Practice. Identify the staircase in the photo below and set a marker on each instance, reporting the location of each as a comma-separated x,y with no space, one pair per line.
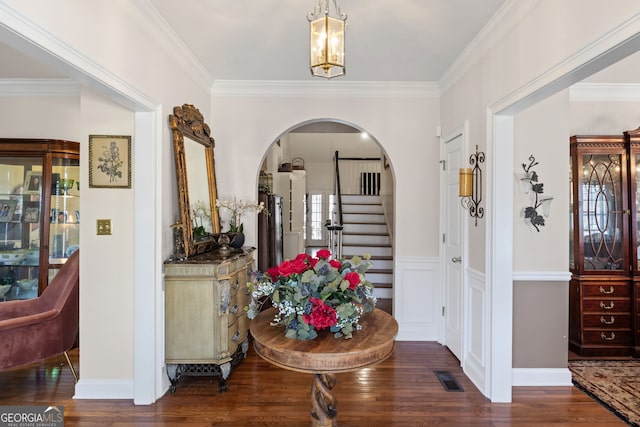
365,231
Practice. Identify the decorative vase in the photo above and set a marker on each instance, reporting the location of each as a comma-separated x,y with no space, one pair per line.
237,240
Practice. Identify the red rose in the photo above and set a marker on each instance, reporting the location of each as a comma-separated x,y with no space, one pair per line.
286,268
323,254
298,266
353,278
335,263
313,262
273,272
322,315
303,257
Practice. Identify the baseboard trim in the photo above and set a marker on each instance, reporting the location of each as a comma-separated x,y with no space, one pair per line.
541,377
104,389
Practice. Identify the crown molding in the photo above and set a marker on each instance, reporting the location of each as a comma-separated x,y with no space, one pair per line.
148,18
320,89
505,19
38,87
604,92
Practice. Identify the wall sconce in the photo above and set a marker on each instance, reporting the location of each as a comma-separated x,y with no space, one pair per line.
471,186
530,182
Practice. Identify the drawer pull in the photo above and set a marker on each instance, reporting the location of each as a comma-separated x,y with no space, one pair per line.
236,336
604,291
608,338
606,307
607,322
234,309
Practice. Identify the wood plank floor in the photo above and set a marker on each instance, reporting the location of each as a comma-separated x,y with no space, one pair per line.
402,391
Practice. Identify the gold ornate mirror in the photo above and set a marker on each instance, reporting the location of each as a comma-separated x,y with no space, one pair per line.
197,193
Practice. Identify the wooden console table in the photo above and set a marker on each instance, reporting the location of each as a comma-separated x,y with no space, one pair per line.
325,356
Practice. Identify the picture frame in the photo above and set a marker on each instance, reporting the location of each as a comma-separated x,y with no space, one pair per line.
109,161
7,207
31,211
32,182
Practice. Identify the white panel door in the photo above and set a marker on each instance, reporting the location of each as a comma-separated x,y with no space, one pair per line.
453,248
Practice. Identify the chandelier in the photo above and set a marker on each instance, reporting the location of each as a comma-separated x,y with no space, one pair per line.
326,40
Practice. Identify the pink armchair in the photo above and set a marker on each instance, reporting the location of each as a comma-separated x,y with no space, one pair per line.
37,329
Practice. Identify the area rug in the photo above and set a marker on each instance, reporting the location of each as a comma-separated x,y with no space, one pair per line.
615,384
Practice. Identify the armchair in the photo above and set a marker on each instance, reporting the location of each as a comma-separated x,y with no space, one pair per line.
37,329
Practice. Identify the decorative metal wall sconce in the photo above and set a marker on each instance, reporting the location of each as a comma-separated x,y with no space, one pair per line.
530,183
471,186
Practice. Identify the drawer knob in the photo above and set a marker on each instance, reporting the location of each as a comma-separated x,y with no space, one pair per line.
611,337
606,307
604,291
607,322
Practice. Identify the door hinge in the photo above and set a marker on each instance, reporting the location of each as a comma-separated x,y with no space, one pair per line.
443,311
443,237
444,164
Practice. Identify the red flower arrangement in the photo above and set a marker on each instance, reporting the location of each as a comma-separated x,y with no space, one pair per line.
316,293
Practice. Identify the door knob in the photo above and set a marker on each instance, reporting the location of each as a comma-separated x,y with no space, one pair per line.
456,259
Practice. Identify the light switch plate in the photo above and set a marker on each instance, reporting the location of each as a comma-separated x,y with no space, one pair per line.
103,227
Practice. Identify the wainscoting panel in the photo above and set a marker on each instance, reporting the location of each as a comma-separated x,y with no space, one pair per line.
475,363
417,298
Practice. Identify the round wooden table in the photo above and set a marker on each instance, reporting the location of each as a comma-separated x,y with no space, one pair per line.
325,356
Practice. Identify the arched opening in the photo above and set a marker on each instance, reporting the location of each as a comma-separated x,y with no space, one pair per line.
308,195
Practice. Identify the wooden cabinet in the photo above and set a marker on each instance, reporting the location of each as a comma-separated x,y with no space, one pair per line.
206,325
603,314
39,212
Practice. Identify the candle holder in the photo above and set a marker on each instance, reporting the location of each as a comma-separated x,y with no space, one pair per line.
470,189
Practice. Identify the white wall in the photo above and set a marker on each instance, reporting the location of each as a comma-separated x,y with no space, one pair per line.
393,122
542,130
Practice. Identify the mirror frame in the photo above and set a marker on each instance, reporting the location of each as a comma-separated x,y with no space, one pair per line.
187,121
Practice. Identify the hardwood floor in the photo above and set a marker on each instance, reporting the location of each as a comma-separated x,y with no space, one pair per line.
401,391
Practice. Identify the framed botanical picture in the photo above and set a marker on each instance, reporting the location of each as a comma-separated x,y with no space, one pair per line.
32,182
31,211
6,209
109,161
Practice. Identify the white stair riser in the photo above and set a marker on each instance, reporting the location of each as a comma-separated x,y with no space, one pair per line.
350,218
362,200
349,251
361,208
382,264
383,293
365,239
365,228
379,277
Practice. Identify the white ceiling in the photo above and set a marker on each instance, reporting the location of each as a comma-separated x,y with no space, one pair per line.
400,40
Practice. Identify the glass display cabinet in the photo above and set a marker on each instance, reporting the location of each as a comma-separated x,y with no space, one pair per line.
39,212
603,235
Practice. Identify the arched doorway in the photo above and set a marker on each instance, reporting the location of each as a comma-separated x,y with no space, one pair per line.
298,173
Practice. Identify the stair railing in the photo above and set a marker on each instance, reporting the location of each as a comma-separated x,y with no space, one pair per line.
334,226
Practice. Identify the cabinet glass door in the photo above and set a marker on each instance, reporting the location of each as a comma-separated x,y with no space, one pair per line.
602,210
20,206
64,215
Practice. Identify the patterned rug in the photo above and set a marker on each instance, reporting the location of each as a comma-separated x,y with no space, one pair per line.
615,384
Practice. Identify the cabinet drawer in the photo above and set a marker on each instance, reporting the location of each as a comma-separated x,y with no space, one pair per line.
610,337
606,305
606,290
607,321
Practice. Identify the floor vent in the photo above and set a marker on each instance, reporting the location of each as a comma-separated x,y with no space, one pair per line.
448,381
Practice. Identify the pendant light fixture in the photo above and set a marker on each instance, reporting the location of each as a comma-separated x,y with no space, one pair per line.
326,40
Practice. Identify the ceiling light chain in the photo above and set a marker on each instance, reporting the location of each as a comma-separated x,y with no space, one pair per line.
326,37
